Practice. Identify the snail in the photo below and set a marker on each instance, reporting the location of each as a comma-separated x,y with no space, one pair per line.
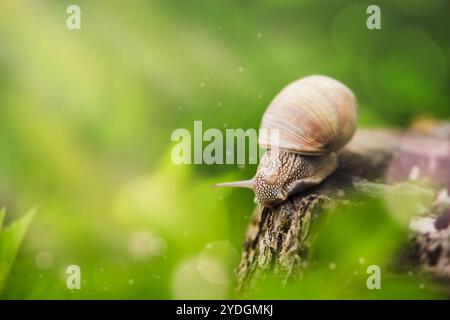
314,117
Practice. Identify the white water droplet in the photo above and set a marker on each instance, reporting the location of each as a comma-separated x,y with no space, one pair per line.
43,260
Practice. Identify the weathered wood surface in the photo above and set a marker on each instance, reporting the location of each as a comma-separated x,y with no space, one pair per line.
278,238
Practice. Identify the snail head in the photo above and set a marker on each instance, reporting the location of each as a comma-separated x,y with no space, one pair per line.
268,184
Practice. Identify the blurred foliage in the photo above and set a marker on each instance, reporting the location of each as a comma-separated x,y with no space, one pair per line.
10,239
86,118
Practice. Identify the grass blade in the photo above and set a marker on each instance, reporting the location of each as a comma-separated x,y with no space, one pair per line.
10,240
2,216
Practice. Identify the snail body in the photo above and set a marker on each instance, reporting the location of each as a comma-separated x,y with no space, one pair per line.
314,117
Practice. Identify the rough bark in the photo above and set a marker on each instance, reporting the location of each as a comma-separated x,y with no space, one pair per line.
374,162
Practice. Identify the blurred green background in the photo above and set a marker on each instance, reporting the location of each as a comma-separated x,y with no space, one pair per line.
86,118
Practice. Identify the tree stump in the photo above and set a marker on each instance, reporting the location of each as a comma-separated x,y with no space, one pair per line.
374,162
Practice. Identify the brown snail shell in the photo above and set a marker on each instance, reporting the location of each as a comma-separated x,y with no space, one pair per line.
314,115
303,126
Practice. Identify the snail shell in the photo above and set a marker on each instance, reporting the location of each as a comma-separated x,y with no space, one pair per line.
302,128
314,115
